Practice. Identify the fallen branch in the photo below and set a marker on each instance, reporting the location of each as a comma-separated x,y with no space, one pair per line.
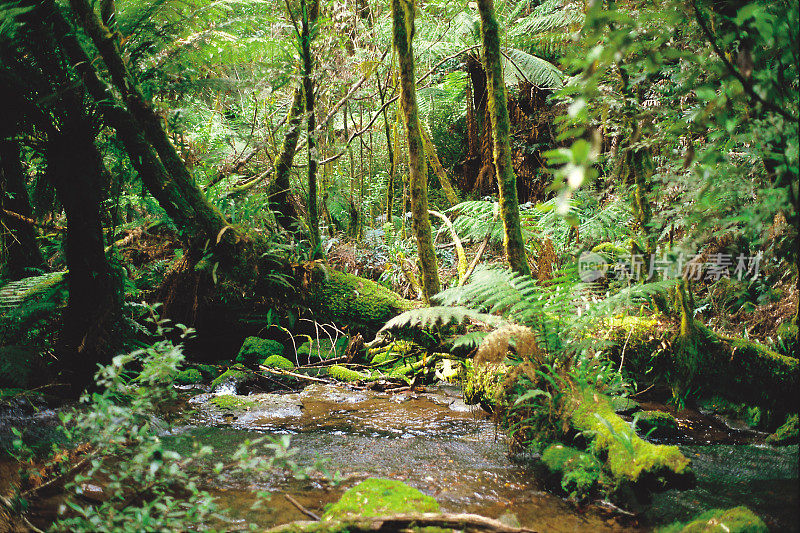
281,372
466,522
302,509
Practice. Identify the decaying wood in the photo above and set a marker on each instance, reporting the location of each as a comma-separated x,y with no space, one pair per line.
465,522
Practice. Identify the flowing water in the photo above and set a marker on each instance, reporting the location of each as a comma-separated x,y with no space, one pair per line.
434,442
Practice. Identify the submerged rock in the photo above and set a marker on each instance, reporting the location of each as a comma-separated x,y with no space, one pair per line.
380,497
736,520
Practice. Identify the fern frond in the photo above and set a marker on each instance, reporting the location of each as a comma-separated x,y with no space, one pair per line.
519,66
17,292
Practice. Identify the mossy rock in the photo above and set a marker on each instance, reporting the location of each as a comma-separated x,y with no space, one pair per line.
351,301
380,497
579,472
278,361
190,376
208,371
255,349
787,433
237,374
231,402
657,422
735,520
482,385
787,333
753,416
341,373
628,457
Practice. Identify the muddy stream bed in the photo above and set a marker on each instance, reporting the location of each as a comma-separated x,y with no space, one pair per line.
437,444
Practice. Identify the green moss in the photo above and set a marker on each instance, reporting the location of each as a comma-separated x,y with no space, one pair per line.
353,301
237,374
278,361
324,348
208,371
787,334
341,373
628,456
191,376
735,520
580,471
656,421
481,385
787,433
379,497
255,349
231,402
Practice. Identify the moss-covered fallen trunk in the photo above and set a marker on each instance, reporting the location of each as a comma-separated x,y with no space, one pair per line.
348,300
739,370
628,458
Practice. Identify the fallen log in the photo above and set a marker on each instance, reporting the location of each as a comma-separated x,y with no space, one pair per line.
399,522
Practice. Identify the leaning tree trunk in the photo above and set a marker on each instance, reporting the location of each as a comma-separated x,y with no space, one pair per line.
223,239
89,331
501,130
22,252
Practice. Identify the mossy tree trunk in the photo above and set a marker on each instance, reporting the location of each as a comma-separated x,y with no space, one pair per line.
279,201
389,149
22,252
309,17
501,131
403,26
438,169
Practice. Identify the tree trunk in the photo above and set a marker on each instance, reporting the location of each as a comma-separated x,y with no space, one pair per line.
279,202
389,149
89,332
22,252
498,112
403,26
309,18
438,169
216,230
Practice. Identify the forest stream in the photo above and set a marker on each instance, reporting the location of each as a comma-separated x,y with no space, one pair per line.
455,453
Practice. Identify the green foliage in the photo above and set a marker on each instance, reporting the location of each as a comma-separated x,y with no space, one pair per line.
148,485
580,472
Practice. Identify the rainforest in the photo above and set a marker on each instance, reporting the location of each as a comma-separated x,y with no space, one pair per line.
405,265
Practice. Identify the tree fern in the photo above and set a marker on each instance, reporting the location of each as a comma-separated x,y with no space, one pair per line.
519,66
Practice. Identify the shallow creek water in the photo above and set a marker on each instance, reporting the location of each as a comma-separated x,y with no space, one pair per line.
434,442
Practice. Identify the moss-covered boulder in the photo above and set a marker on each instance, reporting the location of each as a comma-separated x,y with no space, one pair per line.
351,301
787,433
254,350
579,472
341,373
735,520
380,497
278,361
235,375
190,376
232,402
